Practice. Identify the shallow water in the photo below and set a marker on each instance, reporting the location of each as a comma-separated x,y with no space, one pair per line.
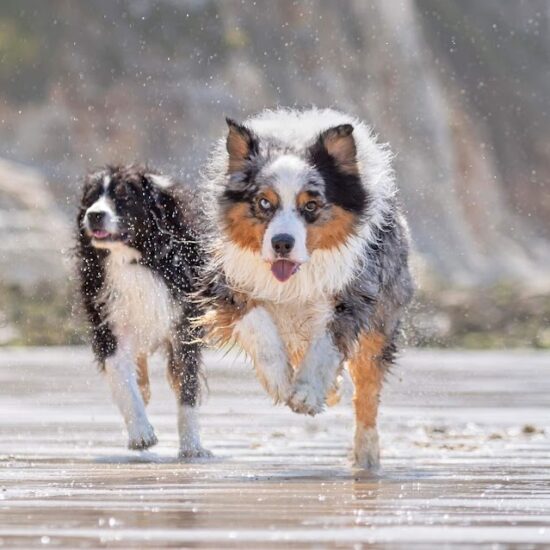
466,460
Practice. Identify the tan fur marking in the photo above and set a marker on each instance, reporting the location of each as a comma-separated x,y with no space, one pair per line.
367,377
334,395
238,149
243,228
303,198
270,195
143,378
219,323
331,233
172,372
343,149
296,358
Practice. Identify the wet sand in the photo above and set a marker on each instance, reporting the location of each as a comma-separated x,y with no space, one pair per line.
466,459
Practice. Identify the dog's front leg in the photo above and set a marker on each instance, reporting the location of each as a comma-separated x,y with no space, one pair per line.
315,376
258,335
121,373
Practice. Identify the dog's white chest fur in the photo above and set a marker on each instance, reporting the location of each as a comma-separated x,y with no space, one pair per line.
140,308
299,322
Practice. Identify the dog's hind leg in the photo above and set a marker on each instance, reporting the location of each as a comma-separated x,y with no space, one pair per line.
183,374
123,378
367,372
143,378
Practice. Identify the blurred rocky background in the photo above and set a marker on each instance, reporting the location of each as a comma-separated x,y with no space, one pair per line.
460,88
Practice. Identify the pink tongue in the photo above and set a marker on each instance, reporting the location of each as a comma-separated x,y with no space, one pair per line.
283,269
100,234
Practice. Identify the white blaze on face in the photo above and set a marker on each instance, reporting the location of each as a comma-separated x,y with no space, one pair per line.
103,205
288,174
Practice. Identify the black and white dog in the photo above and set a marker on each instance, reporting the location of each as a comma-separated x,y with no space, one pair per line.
138,258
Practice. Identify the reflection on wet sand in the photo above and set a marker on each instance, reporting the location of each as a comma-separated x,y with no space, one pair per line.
466,459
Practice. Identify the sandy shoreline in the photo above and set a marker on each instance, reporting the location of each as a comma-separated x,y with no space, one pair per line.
466,458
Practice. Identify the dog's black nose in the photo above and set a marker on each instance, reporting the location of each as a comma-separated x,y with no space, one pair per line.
95,219
282,243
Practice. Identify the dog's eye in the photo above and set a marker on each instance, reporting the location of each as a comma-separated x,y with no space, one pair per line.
311,206
265,205
122,193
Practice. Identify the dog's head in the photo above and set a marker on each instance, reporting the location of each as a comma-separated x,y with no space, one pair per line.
284,204
121,206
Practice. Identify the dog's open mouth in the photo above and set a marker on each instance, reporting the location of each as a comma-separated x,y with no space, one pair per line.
103,235
284,269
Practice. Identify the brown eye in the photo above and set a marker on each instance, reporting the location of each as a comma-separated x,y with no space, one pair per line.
124,193
311,206
265,205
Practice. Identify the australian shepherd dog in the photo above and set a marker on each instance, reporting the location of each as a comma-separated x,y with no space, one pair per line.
308,270
138,259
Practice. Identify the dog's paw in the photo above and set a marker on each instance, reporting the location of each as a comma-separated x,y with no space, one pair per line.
279,390
276,382
306,399
366,450
143,439
190,452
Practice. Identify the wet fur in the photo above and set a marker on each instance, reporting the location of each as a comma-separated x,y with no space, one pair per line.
348,298
137,295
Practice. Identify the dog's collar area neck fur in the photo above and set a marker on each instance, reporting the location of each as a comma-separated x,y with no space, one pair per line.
327,273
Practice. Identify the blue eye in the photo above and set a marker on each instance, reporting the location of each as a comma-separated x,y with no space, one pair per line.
264,204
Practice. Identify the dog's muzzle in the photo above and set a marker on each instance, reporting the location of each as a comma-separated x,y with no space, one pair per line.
282,268
99,226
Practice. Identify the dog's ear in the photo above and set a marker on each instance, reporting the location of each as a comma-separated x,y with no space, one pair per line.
339,143
241,144
162,182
